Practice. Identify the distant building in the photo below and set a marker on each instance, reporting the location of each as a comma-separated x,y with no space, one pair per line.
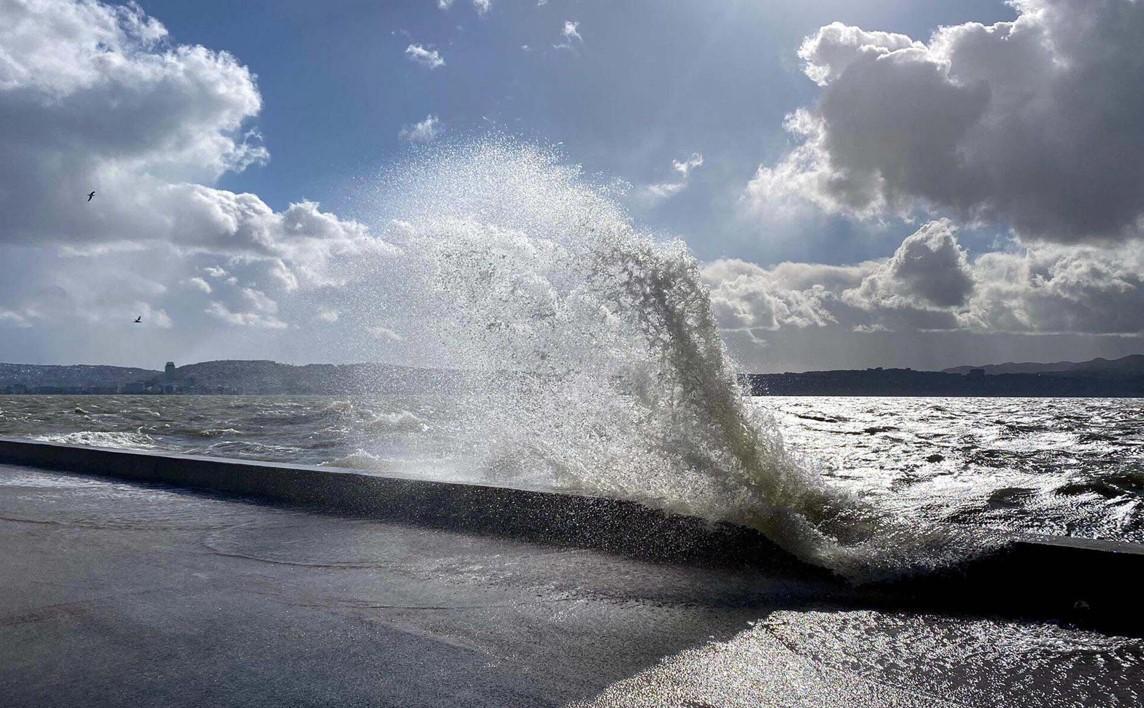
169,369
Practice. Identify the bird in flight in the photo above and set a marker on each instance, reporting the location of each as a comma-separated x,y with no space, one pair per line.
91,195
138,319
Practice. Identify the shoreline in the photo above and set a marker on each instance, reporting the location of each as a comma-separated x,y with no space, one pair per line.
1082,581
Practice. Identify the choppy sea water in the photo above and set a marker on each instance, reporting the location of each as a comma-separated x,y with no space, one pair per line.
1059,466
1070,467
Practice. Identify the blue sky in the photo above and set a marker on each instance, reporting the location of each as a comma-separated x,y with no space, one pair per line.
864,183
651,82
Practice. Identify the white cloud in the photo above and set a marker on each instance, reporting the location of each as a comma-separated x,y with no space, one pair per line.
805,178
199,284
685,167
428,58
327,315
481,6
930,283
253,308
92,100
385,333
570,36
836,46
1036,123
97,97
654,193
571,31
1050,288
745,296
664,190
424,131
156,317
12,318
244,319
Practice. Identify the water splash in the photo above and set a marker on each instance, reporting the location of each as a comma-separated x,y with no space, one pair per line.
596,364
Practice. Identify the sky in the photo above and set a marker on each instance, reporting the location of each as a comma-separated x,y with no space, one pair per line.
864,183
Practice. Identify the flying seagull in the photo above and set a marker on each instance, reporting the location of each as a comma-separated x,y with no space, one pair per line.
138,319
91,195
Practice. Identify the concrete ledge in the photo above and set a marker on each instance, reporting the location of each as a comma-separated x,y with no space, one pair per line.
608,524
1089,582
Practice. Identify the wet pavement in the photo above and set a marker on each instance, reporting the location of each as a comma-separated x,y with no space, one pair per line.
118,593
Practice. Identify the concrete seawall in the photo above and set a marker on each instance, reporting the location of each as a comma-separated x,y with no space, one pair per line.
607,524
1095,583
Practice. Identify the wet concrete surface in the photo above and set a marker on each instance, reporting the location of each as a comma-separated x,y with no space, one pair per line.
116,593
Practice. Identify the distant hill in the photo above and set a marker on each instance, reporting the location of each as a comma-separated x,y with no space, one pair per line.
33,376
224,377
1132,364
1098,377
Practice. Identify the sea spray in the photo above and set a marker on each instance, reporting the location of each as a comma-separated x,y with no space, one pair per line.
594,362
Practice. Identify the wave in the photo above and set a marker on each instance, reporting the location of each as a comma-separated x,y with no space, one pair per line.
599,360
214,432
94,438
396,422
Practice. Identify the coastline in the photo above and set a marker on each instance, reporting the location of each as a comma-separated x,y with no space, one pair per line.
1023,579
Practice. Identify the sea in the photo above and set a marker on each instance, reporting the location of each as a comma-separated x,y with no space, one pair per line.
590,360
1056,466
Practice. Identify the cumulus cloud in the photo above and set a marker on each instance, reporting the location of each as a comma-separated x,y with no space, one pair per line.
1036,123
428,58
98,97
929,269
424,131
930,283
91,99
1061,289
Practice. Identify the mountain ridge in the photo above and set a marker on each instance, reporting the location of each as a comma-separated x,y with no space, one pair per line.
1131,363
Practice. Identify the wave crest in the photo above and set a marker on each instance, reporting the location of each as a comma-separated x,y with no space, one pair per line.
594,357
95,438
